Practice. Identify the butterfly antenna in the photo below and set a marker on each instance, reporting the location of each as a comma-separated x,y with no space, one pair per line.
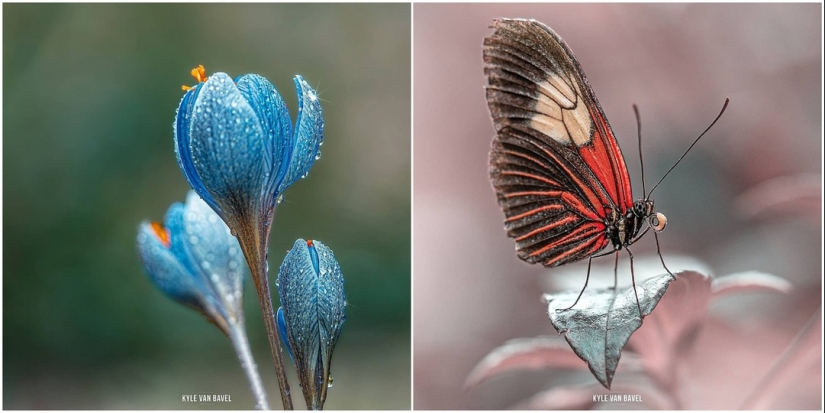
641,158
725,106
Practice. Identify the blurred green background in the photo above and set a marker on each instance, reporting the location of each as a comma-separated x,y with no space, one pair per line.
89,97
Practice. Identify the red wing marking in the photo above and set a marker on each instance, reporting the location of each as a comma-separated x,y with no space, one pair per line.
532,176
578,252
584,187
580,208
554,194
551,208
604,157
583,232
549,227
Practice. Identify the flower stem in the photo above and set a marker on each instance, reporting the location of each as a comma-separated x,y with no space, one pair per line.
265,299
241,344
254,249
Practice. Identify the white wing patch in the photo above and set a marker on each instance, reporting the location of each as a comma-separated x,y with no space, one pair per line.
560,114
579,124
559,90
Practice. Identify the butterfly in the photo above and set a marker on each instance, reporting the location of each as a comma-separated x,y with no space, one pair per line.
555,164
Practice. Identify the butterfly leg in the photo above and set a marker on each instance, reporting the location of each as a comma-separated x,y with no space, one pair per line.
658,251
586,280
616,271
633,278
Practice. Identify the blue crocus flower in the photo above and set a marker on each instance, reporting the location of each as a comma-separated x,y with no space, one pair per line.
193,258
236,146
312,313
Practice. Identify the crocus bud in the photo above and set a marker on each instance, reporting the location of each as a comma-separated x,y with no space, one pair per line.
312,313
193,258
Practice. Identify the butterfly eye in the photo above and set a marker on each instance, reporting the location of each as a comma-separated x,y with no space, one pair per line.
658,221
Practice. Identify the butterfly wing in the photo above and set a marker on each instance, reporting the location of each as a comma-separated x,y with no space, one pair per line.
555,164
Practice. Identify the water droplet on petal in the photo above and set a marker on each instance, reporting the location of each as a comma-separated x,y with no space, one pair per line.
330,382
280,198
318,155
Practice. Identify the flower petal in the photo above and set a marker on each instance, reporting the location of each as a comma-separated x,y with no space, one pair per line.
274,116
227,147
168,273
282,332
181,248
183,152
215,253
309,134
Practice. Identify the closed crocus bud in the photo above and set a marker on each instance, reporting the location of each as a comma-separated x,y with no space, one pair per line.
193,258
312,313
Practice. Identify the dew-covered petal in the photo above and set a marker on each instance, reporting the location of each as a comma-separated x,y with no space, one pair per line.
183,152
167,272
282,332
227,145
215,253
173,222
274,117
309,134
312,299
181,248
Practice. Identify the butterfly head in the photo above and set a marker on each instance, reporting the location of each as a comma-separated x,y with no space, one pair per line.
645,209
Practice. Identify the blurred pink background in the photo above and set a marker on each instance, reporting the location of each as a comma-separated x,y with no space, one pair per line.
747,198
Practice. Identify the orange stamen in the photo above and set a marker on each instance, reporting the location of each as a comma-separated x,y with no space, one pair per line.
162,233
309,243
199,73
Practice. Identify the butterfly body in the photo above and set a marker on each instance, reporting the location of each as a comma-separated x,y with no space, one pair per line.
555,165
